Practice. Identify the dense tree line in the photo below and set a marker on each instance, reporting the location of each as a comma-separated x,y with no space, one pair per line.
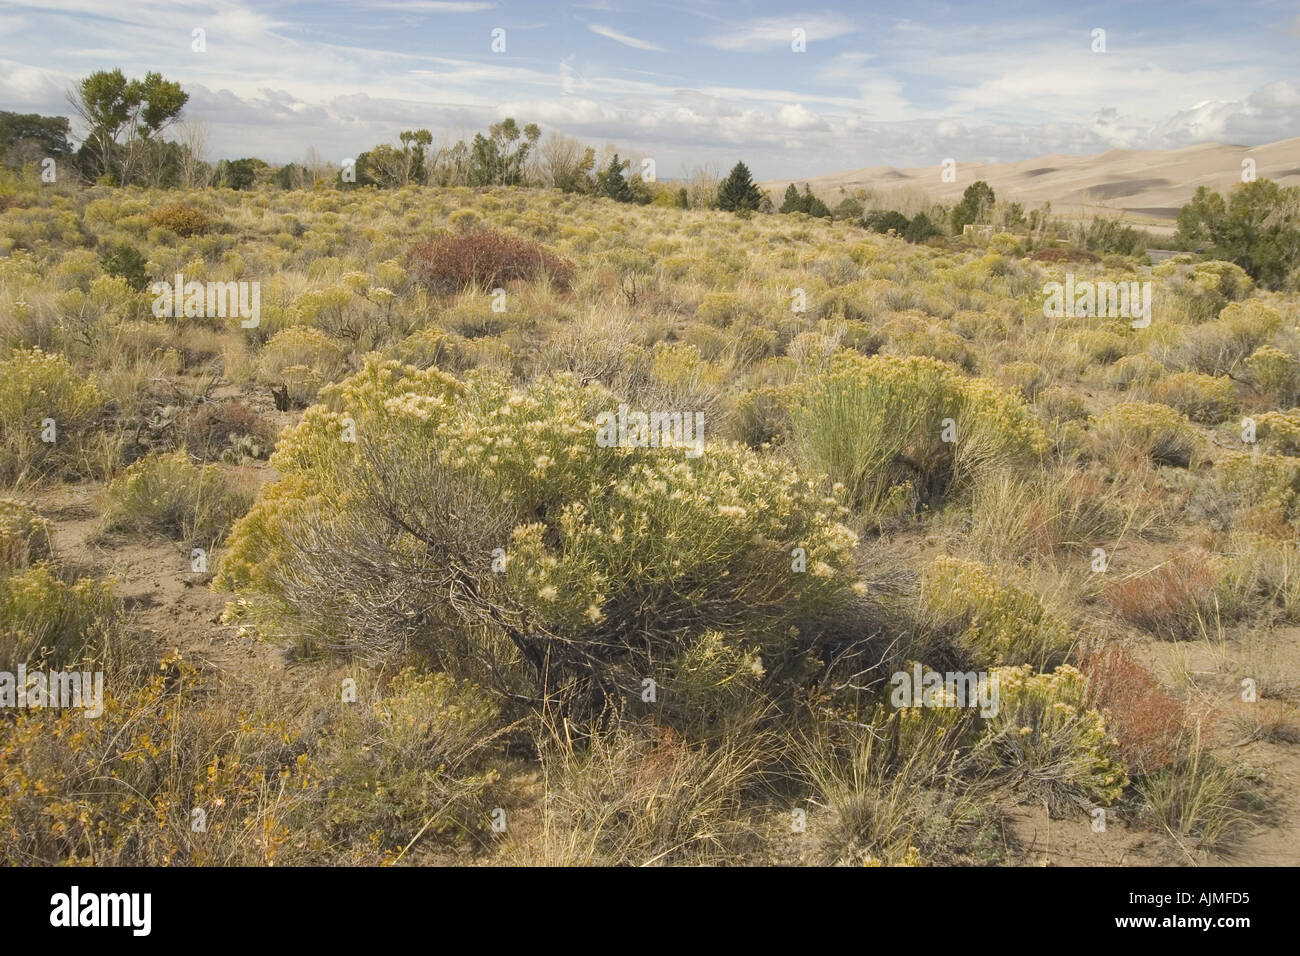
1257,226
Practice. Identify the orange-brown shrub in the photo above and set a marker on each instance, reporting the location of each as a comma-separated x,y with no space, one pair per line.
1143,716
181,219
1172,600
486,259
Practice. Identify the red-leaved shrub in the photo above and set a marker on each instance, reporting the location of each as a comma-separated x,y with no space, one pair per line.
181,219
1174,601
486,259
1145,719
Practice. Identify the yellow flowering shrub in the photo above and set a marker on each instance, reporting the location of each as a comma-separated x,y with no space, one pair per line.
1148,429
596,564
874,423
1275,373
1202,398
989,618
1259,481
24,535
1279,432
1029,377
1049,744
1137,369
47,621
313,357
43,396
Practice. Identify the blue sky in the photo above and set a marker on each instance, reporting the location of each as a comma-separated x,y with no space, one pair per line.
692,83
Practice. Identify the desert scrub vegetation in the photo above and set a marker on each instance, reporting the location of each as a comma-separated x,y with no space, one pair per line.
990,620
1146,430
1048,744
171,496
879,423
277,781
607,561
915,468
25,537
48,417
48,620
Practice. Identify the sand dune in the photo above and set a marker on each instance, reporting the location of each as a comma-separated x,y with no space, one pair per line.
1147,186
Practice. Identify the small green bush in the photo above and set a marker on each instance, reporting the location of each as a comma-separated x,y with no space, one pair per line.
168,495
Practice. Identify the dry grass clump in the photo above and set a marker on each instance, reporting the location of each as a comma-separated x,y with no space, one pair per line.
642,795
900,791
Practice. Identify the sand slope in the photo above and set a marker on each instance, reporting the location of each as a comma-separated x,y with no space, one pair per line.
1147,185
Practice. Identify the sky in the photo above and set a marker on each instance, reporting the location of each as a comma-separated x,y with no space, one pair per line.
692,84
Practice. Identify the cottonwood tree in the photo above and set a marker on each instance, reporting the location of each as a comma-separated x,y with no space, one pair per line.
124,120
390,166
702,187
192,138
498,159
566,163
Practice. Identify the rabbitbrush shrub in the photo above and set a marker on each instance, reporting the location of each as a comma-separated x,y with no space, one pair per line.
483,524
990,619
169,495
25,537
42,395
1148,429
875,423
1049,744
47,621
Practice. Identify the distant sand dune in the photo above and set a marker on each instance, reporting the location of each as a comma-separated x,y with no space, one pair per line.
1148,187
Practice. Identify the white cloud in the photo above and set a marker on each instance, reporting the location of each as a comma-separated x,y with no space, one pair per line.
435,6
770,33
623,38
796,117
